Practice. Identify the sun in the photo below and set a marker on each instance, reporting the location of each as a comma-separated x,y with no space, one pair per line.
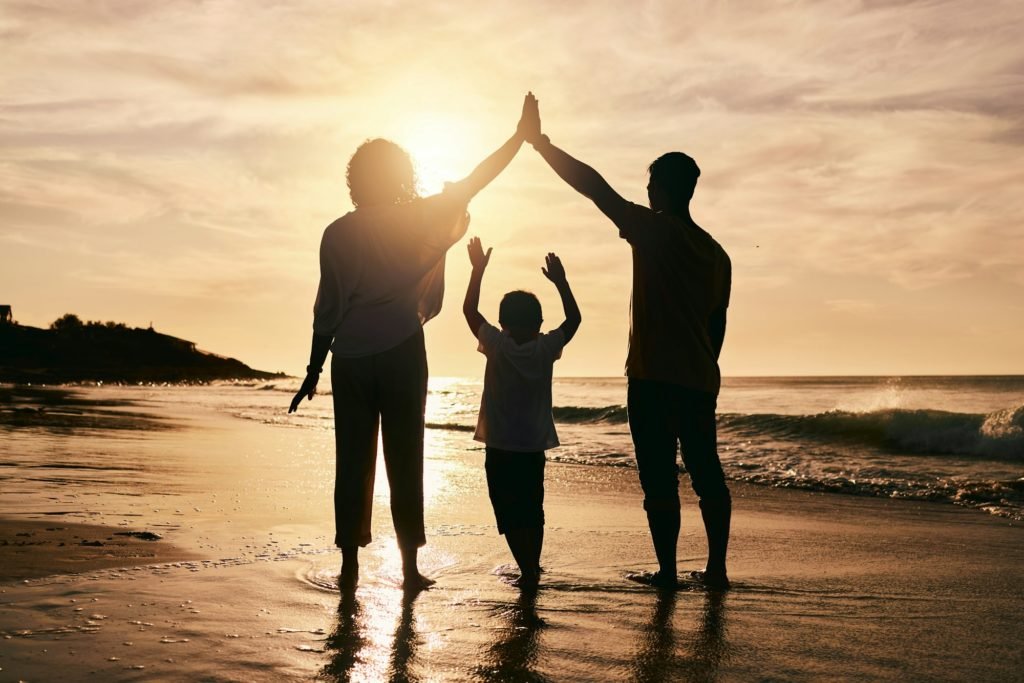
439,145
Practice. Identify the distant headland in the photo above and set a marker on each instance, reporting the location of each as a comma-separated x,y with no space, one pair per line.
73,350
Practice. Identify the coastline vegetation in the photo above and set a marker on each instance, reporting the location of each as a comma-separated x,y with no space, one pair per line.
74,350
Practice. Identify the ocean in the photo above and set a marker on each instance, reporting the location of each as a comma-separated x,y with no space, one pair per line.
958,440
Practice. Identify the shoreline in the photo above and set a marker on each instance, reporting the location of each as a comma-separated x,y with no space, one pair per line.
922,470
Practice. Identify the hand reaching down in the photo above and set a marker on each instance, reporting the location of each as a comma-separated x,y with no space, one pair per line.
307,390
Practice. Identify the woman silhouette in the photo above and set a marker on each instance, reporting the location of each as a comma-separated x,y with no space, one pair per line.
381,280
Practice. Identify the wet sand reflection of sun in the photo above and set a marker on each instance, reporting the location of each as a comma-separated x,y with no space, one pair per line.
437,474
444,403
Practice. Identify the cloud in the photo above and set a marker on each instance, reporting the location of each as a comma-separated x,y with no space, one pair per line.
200,146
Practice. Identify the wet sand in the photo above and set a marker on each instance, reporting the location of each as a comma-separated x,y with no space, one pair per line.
33,549
826,586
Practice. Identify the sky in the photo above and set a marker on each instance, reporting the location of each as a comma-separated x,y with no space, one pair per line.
175,163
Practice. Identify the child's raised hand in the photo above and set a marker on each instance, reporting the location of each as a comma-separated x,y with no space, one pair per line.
476,254
553,270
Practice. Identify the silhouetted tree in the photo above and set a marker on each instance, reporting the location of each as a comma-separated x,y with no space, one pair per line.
67,322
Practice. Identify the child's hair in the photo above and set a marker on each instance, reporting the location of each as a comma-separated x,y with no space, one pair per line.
520,309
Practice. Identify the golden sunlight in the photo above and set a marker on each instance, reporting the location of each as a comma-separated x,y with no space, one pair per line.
440,146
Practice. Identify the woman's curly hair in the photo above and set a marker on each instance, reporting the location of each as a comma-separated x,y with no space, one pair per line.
380,172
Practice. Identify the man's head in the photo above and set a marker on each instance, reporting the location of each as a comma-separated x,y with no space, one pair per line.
380,172
520,314
673,177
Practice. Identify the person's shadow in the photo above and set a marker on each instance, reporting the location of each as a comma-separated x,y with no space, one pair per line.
513,656
348,639
657,658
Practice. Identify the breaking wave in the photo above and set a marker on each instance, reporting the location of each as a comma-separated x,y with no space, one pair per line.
582,415
926,432
997,435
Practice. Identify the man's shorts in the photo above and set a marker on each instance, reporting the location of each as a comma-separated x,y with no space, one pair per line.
663,419
515,483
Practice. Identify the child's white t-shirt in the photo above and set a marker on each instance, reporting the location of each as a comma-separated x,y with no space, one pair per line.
515,410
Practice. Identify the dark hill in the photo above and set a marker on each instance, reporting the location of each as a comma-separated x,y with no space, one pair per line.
73,351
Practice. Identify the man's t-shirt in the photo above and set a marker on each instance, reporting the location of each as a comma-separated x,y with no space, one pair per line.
382,271
681,275
515,410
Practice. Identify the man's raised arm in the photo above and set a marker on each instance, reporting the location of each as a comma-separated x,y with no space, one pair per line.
577,174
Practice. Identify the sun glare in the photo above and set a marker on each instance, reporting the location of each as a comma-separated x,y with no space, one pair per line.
439,147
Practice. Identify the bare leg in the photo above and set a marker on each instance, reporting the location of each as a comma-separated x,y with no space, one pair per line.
717,520
652,424
699,440
664,526
412,580
349,568
526,545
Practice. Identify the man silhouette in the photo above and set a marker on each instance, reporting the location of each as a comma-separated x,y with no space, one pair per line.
681,285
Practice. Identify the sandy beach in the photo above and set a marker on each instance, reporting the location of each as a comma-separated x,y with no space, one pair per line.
240,584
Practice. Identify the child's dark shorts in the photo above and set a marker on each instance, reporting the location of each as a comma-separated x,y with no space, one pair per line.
515,483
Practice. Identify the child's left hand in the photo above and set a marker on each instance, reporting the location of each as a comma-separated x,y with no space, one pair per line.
476,254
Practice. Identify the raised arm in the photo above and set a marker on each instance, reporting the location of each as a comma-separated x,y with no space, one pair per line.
471,305
489,169
577,174
556,273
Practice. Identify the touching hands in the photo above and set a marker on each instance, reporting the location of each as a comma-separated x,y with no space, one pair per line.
529,122
307,390
554,270
476,254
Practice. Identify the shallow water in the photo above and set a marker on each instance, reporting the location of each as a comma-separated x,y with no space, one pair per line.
953,439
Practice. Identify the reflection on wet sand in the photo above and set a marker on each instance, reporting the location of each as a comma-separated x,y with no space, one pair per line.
358,638
71,412
376,639
405,642
513,656
346,640
710,648
658,655
359,649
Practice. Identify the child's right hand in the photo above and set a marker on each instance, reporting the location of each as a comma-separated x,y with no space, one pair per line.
476,254
554,270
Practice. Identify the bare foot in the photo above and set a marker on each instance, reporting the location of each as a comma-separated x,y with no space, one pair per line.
710,580
527,580
416,582
656,579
